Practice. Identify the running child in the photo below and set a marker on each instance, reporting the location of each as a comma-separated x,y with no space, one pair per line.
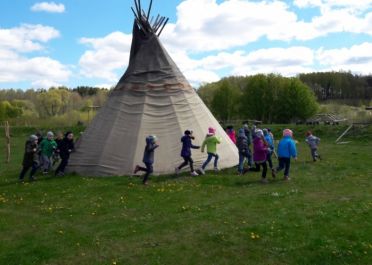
47,147
186,152
286,150
313,143
65,149
260,148
211,141
148,158
30,158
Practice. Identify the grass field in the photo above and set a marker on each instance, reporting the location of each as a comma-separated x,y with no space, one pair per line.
322,216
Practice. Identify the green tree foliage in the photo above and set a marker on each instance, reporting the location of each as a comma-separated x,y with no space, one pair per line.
8,111
339,85
30,105
269,98
225,101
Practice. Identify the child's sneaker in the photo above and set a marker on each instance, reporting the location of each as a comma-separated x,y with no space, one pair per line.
136,169
287,178
177,170
194,174
264,181
202,171
216,169
32,178
45,172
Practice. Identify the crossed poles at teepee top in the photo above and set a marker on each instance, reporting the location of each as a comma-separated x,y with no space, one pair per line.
143,22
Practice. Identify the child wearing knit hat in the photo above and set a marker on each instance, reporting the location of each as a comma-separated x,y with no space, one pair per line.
211,141
286,150
30,158
47,147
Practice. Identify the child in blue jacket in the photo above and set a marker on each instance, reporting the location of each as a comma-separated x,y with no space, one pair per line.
286,150
148,158
186,152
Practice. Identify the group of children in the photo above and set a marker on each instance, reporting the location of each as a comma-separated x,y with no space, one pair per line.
263,150
42,153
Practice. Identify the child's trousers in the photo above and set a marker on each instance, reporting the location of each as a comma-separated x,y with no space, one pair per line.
187,160
210,156
284,163
149,169
314,153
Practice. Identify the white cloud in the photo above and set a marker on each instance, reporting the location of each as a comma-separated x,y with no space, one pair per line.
41,71
328,4
50,7
224,28
15,66
357,58
26,38
205,25
109,54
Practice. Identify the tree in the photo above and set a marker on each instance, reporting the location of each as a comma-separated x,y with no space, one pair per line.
225,101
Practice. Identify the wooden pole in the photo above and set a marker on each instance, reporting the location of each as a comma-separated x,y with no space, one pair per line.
7,137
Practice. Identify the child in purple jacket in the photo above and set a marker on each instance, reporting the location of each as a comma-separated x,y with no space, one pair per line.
260,154
186,152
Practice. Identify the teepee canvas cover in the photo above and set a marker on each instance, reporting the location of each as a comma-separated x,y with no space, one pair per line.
152,98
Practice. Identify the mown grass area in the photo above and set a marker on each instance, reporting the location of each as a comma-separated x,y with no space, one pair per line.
322,216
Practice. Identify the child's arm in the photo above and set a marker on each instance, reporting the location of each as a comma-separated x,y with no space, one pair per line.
218,140
203,146
293,149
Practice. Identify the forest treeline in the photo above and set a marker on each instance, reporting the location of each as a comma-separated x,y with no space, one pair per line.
29,105
270,98
276,99
339,86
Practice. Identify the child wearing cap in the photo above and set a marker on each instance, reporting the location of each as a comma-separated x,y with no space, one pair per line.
313,143
286,150
211,141
187,145
148,158
30,158
47,147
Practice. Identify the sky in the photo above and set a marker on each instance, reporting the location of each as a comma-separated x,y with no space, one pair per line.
87,42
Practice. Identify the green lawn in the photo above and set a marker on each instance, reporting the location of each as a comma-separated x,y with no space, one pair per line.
322,216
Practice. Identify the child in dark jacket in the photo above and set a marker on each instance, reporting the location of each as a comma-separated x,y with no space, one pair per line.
148,158
260,154
186,152
30,158
286,150
313,143
242,144
65,147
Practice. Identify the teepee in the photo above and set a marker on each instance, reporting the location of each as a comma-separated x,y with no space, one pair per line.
152,98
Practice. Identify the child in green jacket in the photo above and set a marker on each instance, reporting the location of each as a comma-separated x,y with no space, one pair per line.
211,142
47,147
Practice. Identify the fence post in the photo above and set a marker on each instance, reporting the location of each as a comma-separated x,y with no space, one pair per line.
7,137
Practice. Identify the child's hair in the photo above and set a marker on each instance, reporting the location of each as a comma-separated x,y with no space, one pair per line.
308,133
187,132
